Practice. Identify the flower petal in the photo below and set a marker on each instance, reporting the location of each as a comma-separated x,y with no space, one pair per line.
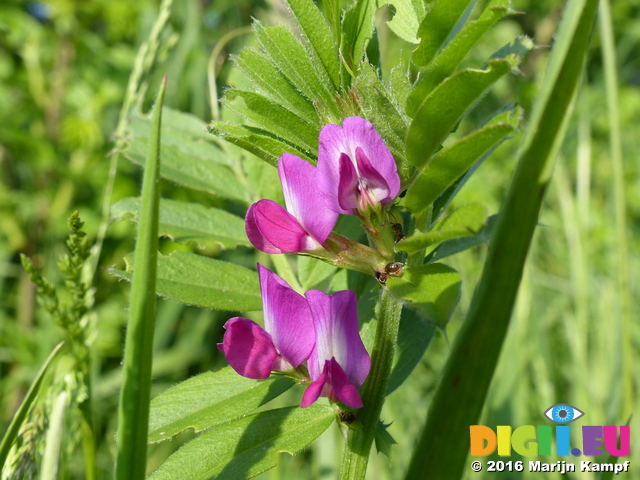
302,197
372,185
287,318
361,133
271,229
341,387
348,185
337,336
331,146
332,382
248,348
315,389
335,141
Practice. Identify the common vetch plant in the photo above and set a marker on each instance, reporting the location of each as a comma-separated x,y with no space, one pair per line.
369,158
346,144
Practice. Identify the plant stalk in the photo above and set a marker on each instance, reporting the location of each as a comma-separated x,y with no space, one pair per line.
357,445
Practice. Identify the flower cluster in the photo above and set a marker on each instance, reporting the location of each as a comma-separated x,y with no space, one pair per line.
314,338
319,329
356,175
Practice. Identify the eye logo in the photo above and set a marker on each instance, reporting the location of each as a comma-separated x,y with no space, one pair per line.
563,413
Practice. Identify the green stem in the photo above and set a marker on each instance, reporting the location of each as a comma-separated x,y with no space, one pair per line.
358,442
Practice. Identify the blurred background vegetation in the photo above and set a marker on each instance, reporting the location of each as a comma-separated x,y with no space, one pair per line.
64,70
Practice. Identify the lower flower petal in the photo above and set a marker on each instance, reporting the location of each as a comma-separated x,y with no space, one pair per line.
334,383
314,390
341,388
248,348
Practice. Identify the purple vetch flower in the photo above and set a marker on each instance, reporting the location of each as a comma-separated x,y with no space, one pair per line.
287,339
339,363
355,167
304,225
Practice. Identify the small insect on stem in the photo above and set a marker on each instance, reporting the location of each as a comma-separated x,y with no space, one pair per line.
397,229
347,417
393,268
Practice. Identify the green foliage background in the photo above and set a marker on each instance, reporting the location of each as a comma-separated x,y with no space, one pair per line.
64,68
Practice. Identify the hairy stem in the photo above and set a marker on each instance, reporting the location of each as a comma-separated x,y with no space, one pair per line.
358,442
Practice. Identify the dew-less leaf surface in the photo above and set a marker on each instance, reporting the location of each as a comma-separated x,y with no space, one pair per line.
437,26
205,282
442,109
445,63
450,163
209,399
464,221
271,82
189,222
314,28
261,143
247,447
188,159
433,289
457,245
272,117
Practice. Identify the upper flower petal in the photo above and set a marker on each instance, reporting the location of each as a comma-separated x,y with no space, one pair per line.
272,229
248,348
337,336
364,135
335,141
287,317
302,197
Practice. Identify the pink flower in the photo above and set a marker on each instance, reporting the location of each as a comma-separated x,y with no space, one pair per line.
285,342
304,225
339,362
355,167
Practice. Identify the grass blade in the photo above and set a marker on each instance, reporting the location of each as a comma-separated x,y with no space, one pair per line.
51,456
472,362
12,432
133,412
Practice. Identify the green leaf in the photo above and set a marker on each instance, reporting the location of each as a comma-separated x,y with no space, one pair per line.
464,221
457,245
11,433
259,142
406,21
312,271
189,222
450,163
436,27
446,61
205,282
273,118
357,30
384,440
133,409
414,336
187,159
209,399
474,356
443,108
293,61
515,52
245,448
272,83
316,32
433,289
448,170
